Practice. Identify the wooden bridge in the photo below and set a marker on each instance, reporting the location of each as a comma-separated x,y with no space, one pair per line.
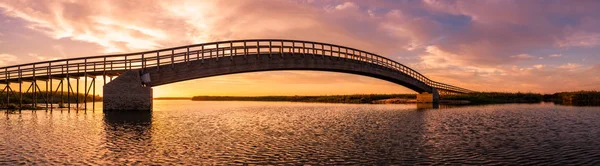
153,68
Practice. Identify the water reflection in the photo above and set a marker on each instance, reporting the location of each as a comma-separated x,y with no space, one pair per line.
425,106
222,133
127,134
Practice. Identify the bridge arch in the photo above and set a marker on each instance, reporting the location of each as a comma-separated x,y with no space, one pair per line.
160,67
259,63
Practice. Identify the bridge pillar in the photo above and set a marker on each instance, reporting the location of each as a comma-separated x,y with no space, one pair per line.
426,97
127,93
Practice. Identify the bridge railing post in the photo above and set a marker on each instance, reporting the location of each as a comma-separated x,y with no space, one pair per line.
245,50
303,49
281,48
143,63
270,48
339,53
313,50
172,58
187,55
323,51
157,61
223,54
345,53
293,49
257,49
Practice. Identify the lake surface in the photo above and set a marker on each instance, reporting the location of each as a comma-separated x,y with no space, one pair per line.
188,132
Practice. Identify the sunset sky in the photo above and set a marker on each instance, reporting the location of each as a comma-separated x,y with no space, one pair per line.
501,45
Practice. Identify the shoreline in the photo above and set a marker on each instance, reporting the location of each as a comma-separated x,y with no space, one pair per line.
576,98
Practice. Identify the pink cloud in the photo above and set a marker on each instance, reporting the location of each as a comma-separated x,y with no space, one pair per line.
346,5
523,57
554,55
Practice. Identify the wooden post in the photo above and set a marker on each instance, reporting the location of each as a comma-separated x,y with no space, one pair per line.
303,49
313,49
281,49
77,94
20,88
245,50
51,88
104,71
293,49
7,85
34,82
172,58
187,56
85,83
94,93
143,63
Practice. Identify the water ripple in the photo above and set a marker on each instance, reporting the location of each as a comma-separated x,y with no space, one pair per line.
194,133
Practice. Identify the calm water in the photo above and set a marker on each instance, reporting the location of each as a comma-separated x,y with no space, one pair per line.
187,132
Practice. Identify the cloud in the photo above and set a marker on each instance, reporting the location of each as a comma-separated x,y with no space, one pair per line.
580,39
497,30
569,66
539,66
7,59
346,5
523,57
41,58
475,44
127,29
554,55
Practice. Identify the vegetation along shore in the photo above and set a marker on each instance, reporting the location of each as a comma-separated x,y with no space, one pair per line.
582,98
42,98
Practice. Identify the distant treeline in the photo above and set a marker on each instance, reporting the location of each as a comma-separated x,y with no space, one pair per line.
172,98
320,99
580,98
497,97
28,98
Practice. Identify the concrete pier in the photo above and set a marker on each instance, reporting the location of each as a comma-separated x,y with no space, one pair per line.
426,97
127,93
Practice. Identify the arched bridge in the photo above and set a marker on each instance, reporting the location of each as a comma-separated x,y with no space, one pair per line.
138,72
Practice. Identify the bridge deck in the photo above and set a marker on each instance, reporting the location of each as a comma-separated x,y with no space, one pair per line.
112,65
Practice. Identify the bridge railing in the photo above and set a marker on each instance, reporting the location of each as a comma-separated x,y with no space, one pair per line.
97,65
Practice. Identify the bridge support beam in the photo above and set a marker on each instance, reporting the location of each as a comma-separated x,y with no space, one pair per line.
426,97
127,93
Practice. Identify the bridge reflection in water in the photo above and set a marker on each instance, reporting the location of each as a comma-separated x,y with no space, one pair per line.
159,67
127,134
425,106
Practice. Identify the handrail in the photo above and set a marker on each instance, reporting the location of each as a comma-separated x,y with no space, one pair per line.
220,49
